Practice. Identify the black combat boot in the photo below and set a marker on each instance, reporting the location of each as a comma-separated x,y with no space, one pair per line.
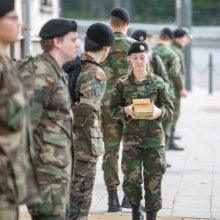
136,212
125,203
113,202
172,144
150,215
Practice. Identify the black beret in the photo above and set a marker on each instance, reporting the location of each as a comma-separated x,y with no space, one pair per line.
138,47
57,27
179,32
167,31
6,6
139,35
120,13
100,34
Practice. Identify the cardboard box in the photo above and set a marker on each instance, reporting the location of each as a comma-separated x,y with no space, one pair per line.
143,108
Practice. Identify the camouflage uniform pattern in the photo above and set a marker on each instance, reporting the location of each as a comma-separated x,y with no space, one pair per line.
154,167
115,66
172,64
142,137
47,91
88,142
157,67
17,179
177,87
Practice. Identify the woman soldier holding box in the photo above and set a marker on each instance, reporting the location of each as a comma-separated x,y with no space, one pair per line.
143,139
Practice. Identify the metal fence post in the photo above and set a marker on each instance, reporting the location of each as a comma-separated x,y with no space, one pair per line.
26,19
210,74
184,19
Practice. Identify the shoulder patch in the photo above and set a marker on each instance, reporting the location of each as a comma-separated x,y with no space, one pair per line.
98,88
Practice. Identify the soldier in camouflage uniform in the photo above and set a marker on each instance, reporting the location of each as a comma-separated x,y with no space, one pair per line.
51,114
156,64
157,67
88,142
180,41
172,64
17,181
143,139
115,66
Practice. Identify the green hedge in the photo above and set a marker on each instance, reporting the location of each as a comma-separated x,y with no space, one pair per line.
204,12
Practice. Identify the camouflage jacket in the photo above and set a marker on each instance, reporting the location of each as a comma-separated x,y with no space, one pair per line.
179,51
116,64
51,114
139,132
17,179
172,64
157,66
90,87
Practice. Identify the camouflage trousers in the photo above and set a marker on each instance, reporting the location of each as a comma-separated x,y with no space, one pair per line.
54,198
81,188
176,111
135,161
7,210
112,136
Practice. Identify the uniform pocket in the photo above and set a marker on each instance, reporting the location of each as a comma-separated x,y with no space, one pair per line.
130,92
55,150
97,144
151,93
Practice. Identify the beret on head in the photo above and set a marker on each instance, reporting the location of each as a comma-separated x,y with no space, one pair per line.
6,6
167,31
101,34
57,27
138,47
179,32
139,35
120,13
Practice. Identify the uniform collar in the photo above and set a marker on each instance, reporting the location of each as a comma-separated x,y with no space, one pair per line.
148,79
85,56
51,60
177,45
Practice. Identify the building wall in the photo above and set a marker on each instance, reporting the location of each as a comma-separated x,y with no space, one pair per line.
40,12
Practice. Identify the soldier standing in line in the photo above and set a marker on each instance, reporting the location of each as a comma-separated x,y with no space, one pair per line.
143,139
88,142
51,114
172,64
181,39
115,66
17,180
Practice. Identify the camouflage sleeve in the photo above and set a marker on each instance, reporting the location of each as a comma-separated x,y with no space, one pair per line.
162,70
91,87
11,101
39,89
174,71
117,103
165,102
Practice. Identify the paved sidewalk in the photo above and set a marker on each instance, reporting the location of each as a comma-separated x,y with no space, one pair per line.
191,187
